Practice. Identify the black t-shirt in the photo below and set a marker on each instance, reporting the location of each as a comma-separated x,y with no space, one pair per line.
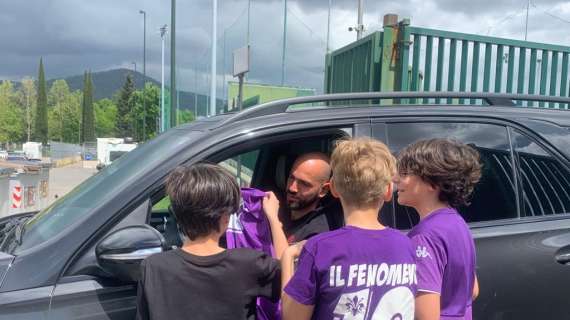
327,217
179,285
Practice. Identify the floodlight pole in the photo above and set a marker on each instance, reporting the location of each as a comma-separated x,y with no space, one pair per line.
360,26
144,75
284,42
329,27
214,53
163,120
173,100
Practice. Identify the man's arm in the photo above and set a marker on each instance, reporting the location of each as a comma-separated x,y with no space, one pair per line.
427,306
271,209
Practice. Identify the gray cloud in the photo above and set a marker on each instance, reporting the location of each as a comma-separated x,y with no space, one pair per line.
75,35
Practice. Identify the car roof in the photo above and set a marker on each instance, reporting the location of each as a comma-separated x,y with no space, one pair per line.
557,116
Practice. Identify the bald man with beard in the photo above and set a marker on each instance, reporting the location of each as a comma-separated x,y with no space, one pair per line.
308,211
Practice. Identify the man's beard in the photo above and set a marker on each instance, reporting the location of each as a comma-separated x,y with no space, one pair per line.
300,204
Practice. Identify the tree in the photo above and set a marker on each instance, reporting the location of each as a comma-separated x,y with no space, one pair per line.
63,113
124,108
151,96
88,116
105,118
27,97
11,115
41,132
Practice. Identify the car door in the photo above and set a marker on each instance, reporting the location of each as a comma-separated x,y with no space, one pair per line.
518,215
84,292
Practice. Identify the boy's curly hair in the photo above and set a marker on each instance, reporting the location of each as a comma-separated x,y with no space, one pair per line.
452,166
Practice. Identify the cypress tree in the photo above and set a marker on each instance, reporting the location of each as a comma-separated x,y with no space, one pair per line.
41,132
124,107
87,114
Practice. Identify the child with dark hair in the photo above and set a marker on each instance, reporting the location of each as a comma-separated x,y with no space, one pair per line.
436,177
203,280
363,270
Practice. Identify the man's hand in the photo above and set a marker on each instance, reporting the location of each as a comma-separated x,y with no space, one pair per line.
271,209
271,206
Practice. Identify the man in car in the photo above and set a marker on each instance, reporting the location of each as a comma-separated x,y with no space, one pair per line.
309,209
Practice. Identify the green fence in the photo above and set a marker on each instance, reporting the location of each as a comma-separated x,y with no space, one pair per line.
406,58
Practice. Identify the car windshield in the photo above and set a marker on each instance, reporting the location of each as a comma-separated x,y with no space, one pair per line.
78,203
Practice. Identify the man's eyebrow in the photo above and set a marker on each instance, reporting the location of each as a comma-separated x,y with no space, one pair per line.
300,180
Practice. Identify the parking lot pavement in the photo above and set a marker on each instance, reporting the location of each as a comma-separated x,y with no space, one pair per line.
64,179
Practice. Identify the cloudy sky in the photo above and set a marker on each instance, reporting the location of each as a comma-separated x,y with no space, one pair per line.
75,35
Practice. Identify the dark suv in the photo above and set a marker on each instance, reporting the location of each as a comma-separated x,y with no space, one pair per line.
79,258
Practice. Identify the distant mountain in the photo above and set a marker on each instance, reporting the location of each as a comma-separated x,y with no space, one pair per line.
107,83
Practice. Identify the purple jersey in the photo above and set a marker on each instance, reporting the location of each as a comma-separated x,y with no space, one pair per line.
354,273
249,228
445,254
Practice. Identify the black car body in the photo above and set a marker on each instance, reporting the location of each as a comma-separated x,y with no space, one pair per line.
78,258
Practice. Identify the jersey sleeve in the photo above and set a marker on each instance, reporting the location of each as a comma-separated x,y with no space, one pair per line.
303,285
430,260
269,278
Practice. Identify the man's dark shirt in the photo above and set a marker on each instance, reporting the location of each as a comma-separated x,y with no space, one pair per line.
326,217
179,285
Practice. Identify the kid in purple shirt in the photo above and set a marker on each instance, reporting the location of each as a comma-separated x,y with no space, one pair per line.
363,270
435,177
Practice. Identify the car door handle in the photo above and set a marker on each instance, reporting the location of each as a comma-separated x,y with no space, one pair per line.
563,255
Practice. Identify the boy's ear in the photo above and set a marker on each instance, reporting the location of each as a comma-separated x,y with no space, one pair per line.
389,192
333,190
224,222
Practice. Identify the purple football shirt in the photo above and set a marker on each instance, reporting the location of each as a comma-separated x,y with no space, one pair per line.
354,273
445,255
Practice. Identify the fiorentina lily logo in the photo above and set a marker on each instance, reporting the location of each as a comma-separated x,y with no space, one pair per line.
355,305
422,252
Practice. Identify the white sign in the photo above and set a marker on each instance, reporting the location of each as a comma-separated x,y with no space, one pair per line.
241,61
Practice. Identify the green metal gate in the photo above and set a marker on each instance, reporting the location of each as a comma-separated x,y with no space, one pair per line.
406,58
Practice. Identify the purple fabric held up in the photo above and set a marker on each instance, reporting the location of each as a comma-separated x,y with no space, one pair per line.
249,228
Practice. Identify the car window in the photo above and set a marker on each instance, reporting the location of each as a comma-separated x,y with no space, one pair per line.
77,204
545,182
494,196
242,167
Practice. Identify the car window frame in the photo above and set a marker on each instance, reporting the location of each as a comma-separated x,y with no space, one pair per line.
228,147
381,125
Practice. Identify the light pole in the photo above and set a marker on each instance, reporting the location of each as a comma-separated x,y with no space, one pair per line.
163,120
144,75
214,56
173,97
284,42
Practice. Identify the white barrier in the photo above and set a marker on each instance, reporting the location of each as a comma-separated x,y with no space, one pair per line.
5,191
28,187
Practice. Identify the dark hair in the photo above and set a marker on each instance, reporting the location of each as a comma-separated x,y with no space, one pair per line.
452,166
200,194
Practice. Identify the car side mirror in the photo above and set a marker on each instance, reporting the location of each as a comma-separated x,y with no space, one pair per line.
121,252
